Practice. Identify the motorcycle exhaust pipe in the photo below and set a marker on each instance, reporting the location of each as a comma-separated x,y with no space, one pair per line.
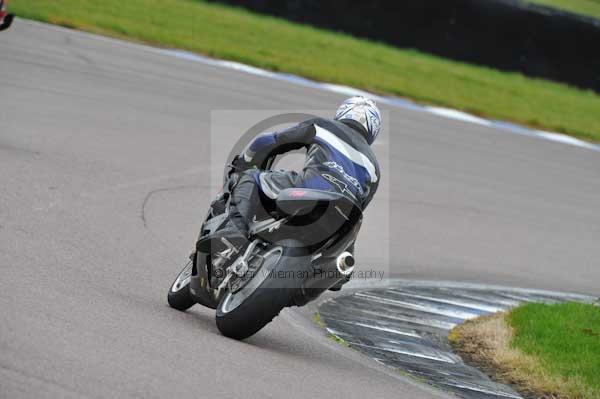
345,263
326,272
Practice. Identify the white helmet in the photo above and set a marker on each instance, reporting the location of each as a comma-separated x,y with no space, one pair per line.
364,111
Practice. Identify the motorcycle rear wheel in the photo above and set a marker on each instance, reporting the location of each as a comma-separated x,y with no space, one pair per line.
243,313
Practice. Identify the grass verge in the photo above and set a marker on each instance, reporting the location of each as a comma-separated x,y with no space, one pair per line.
338,339
590,8
544,351
319,321
275,44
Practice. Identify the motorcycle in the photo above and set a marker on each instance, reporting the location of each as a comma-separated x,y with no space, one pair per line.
6,19
297,249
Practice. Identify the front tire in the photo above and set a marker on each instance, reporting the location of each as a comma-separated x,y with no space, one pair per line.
179,296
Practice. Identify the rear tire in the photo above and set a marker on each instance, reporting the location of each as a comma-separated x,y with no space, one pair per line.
252,315
179,296
263,304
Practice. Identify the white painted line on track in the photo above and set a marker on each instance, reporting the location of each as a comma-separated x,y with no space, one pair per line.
439,358
475,286
458,115
422,307
455,302
427,322
412,334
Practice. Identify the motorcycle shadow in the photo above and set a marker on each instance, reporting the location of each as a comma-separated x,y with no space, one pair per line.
276,339
200,319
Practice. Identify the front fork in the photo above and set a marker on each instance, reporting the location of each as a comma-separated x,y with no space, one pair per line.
200,280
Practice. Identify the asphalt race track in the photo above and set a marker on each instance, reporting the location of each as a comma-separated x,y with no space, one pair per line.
105,177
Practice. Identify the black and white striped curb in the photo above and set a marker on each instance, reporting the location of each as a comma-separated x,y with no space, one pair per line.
405,326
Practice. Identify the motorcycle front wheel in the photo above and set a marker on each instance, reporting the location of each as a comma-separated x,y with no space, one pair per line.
179,296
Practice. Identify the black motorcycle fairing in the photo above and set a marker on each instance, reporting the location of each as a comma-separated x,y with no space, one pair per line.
200,282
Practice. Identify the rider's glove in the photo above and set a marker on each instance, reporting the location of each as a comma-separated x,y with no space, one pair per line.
237,165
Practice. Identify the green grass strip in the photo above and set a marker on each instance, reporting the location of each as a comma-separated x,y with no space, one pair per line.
275,44
590,8
565,338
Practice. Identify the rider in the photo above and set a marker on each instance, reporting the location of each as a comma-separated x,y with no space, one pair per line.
339,158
